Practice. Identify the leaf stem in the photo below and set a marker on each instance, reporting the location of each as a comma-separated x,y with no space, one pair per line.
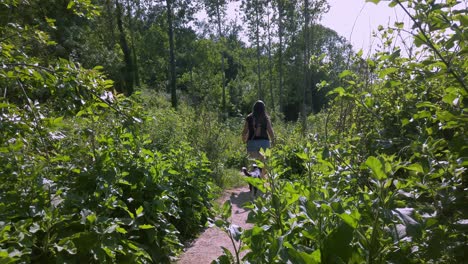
235,248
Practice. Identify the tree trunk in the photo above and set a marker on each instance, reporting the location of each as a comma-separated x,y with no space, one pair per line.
132,42
311,82
306,66
270,63
220,34
257,36
126,51
280,53
172,72
111,43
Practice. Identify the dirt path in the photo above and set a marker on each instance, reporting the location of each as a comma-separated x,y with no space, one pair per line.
207,247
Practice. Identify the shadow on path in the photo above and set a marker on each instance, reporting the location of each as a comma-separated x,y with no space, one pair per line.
240,198
208,246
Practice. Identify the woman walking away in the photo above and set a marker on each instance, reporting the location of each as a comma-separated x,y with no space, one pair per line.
258,131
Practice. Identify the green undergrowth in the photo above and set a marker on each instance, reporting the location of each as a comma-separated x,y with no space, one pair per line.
381,175
111,179
99,178
233,179
91,176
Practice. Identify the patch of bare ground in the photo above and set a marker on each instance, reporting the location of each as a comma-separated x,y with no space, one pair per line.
207,247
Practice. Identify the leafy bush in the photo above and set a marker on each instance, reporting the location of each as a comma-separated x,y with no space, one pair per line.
82,180
199,127
93,189
387,181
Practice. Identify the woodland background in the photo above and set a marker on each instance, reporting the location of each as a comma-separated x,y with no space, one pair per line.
120,123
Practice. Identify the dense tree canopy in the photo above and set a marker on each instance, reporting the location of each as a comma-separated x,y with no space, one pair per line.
131,41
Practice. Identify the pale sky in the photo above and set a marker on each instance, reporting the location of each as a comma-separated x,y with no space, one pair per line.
365,16
353,19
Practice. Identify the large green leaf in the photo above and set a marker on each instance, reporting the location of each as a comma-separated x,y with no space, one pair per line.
227,209
351,219
337,246
296,256
377,168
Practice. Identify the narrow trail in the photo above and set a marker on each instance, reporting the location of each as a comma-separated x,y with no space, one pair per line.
207,247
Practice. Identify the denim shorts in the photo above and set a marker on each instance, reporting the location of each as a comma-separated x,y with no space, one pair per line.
257,144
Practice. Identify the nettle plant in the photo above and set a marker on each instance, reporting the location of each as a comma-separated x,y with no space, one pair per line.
96,192
81,181
388,182
413,108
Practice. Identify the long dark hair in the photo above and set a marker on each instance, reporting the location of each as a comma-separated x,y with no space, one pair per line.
259,112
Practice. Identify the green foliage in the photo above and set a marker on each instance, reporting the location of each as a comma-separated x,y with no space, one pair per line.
233,231
82,181
90,188
232,178
90,176
384,179
199,127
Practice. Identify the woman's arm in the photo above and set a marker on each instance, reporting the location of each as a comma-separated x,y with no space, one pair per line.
245,132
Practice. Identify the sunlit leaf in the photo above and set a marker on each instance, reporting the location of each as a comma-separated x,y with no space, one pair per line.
387,71
297,256
227,208
34,228
344,74
351,219
235,231
139,211
91,218
121,230
71,4
415,167
377,168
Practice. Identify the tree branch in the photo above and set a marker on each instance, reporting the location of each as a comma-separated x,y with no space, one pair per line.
29,65
433,48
